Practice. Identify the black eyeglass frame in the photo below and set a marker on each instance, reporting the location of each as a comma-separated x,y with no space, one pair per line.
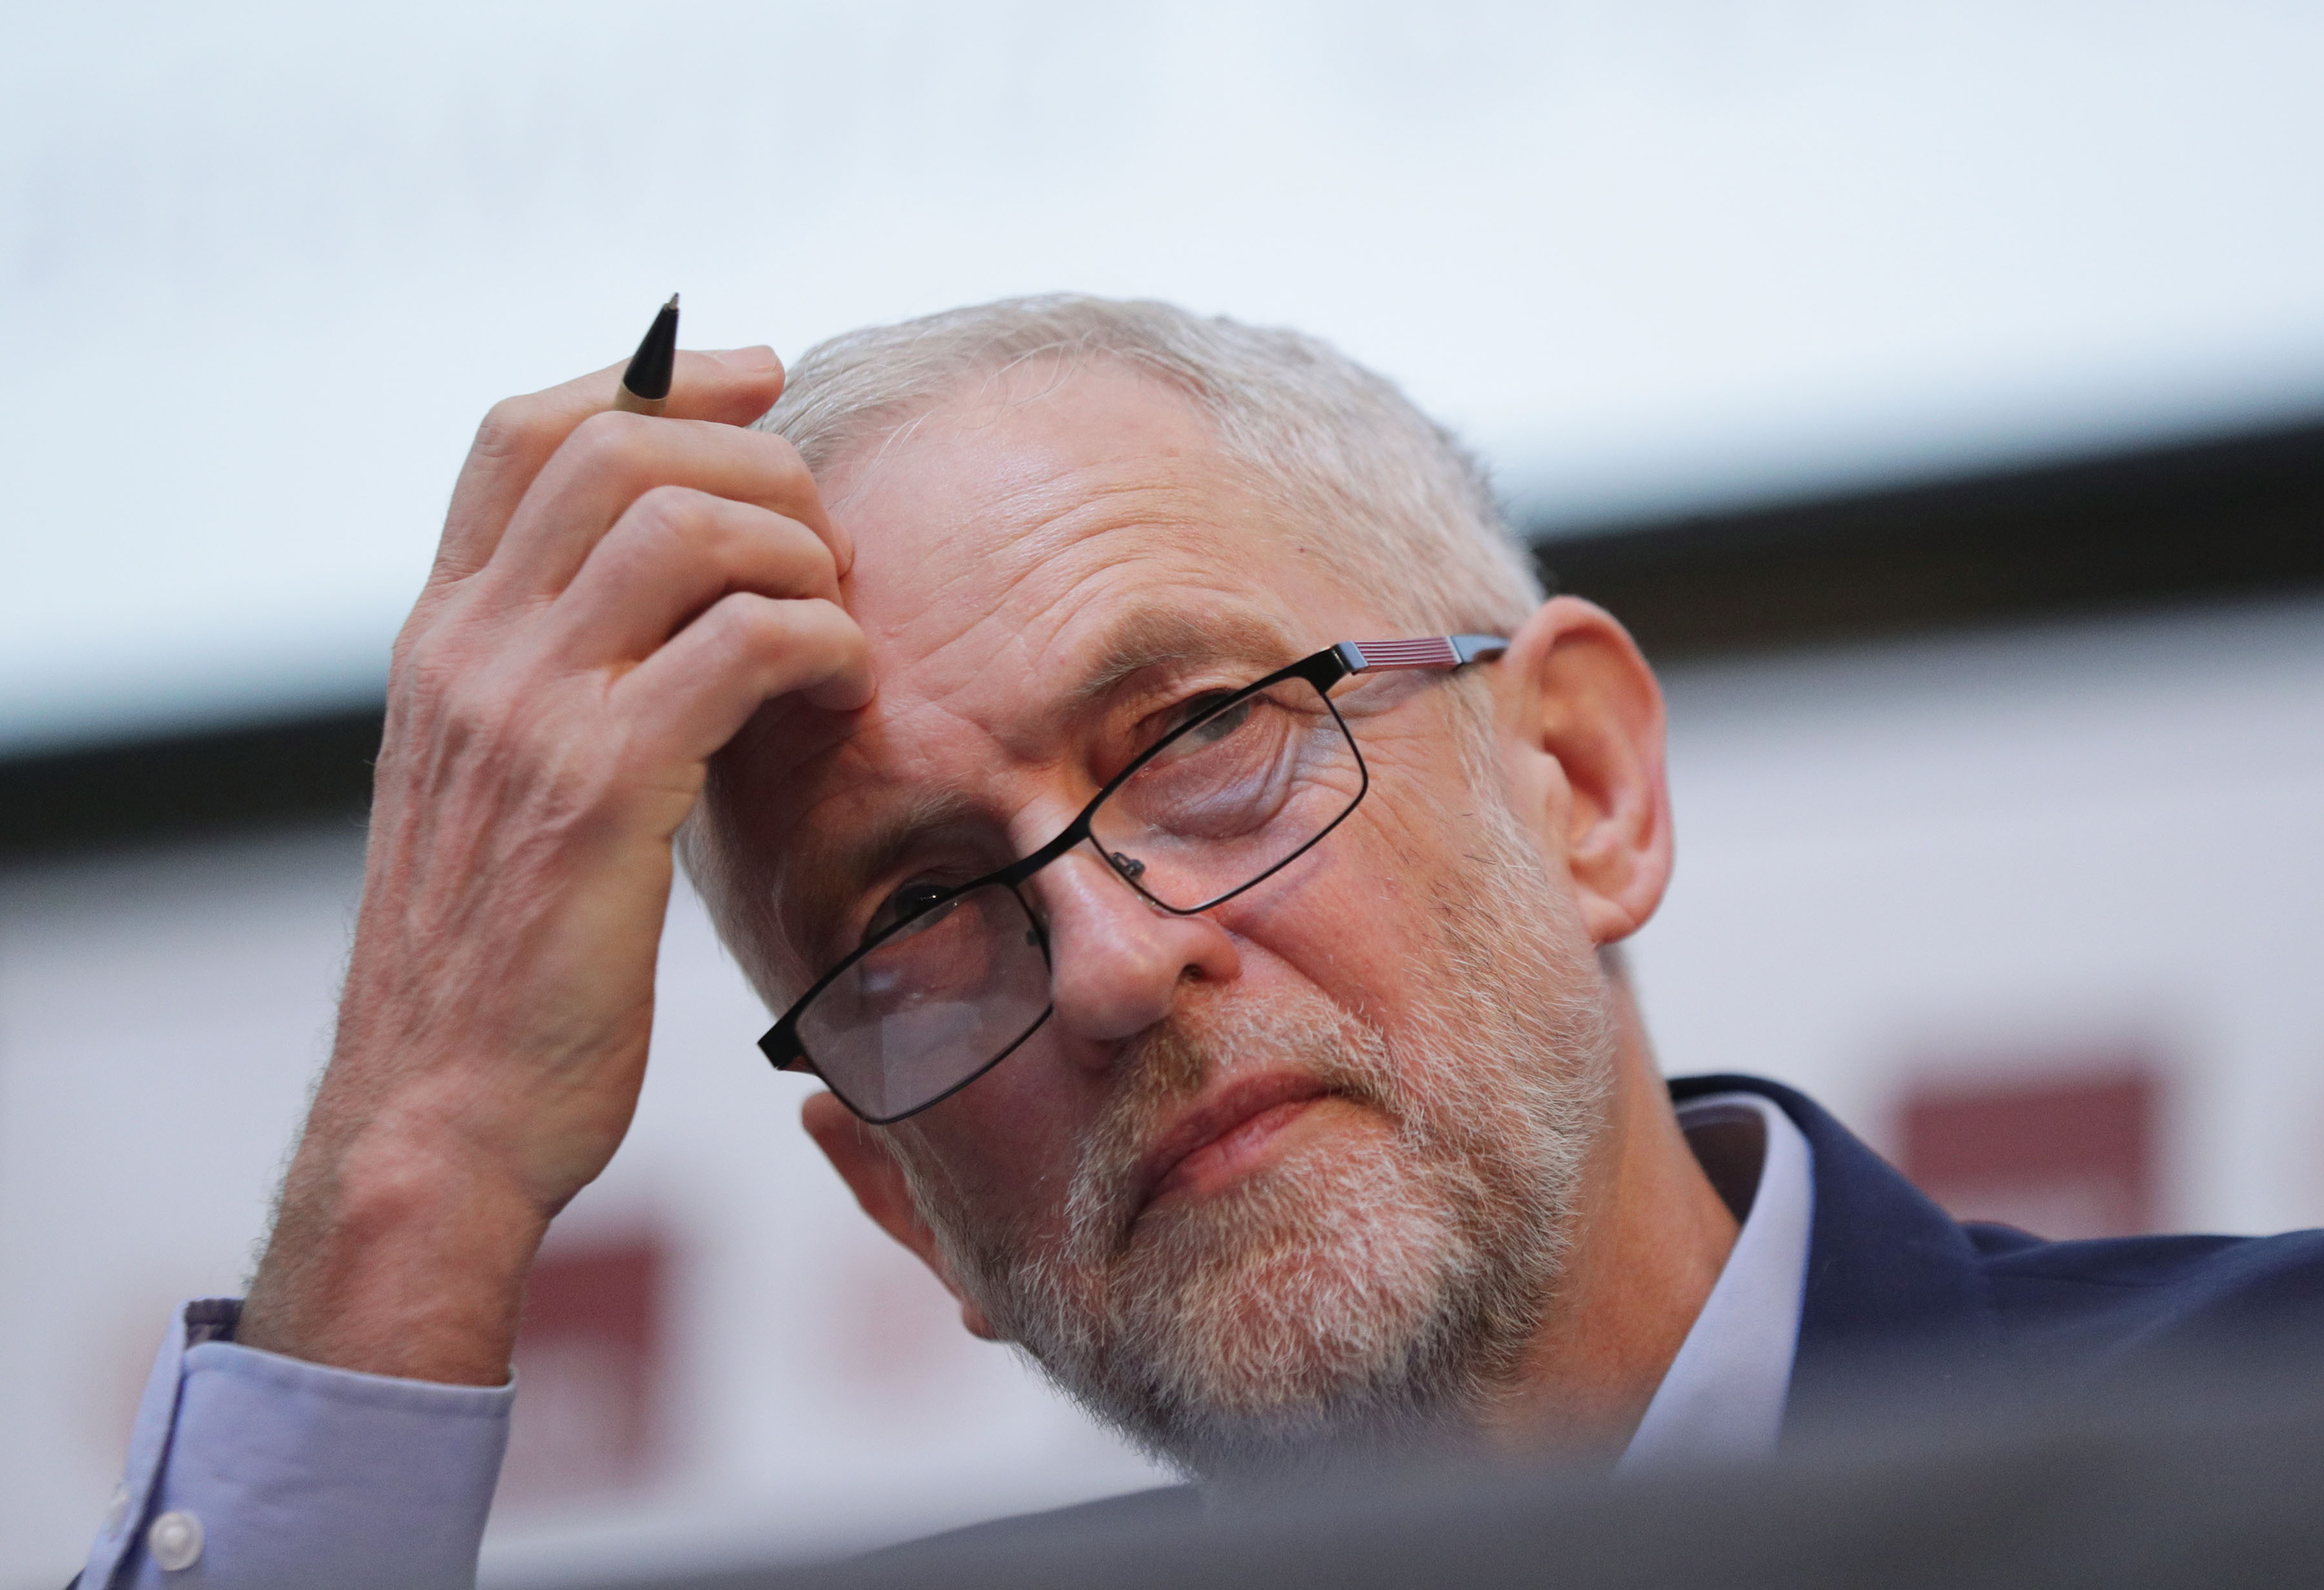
1325,669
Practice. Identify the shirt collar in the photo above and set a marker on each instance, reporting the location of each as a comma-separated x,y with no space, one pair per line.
1722,1398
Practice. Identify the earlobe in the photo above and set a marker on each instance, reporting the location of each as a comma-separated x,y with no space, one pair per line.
866,1163
1580,720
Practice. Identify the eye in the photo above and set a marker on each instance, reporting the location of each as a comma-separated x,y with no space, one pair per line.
912,900
1211,730
1204,732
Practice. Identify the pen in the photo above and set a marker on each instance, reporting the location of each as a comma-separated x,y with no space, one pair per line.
645,385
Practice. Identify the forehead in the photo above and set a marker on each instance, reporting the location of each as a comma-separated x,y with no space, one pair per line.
1019,548
1007,540
1012,523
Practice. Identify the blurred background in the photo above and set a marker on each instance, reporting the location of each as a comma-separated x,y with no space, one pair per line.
1938,391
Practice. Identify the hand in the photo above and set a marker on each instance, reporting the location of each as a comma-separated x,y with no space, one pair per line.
613,597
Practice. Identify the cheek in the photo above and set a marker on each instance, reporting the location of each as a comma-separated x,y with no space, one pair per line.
1006,1144
1352,918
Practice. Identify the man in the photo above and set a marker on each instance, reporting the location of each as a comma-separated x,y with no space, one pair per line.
1132,755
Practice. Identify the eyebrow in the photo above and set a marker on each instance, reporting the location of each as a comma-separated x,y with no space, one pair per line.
1154,637
829,876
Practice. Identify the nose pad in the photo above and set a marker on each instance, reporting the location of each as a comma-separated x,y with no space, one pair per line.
1116,960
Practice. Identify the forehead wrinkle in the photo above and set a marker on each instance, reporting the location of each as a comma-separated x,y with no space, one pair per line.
1039,570
1103,553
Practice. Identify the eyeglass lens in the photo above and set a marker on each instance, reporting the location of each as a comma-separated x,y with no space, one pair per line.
1233,796
931,1004
947,994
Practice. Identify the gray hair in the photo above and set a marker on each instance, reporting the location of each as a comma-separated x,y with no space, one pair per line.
1328,441
1409,511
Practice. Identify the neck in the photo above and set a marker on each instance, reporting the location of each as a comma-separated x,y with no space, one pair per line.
1651,1236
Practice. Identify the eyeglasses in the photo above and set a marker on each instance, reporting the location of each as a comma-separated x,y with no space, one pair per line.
948,981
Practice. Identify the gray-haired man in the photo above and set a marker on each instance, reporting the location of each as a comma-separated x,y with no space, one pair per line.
1130,753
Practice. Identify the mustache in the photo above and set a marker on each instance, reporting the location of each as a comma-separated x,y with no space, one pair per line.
1172,1064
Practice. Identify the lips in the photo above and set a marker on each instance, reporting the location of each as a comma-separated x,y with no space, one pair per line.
1217,1118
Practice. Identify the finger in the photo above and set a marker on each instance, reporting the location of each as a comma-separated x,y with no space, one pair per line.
696,692
672,554
611,460
521,433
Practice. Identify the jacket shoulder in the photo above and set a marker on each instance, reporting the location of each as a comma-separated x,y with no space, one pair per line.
2149,1289
1889,1269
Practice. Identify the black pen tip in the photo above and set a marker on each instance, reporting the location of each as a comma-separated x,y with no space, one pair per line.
648,374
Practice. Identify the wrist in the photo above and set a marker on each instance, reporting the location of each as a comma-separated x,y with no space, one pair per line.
395,1255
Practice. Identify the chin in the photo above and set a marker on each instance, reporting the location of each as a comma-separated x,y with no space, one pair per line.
1323,1302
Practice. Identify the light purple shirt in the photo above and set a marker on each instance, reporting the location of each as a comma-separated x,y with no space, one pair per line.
255,1471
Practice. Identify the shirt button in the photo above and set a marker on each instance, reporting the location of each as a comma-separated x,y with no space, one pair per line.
116,1511
175,1541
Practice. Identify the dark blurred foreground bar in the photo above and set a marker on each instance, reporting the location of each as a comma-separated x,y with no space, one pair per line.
2199,1481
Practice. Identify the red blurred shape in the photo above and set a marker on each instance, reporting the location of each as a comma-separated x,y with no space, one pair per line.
2066,1155
588,1366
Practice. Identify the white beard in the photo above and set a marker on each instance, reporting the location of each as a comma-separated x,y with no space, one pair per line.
1372,1296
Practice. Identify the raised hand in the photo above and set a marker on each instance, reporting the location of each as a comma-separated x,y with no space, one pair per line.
613,597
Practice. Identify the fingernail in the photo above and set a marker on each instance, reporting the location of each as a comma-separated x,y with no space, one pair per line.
761,357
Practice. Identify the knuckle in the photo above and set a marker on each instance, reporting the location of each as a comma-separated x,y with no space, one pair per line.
672,511
747,546
512,427
420,657
753,623
472,716
446,686
605,440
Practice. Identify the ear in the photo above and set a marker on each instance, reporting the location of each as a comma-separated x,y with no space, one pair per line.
866,1163
1581,721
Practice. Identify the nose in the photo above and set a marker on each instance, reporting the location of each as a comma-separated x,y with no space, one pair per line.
1116,962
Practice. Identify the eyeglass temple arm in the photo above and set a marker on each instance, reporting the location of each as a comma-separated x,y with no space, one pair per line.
1434,651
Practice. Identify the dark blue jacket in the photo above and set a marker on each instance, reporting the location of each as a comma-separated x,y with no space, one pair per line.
1894,1280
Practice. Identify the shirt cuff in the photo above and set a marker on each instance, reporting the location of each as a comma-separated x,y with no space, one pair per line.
250,1469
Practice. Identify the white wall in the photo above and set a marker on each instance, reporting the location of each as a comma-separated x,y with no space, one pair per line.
264,263
1991,850
1997,846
